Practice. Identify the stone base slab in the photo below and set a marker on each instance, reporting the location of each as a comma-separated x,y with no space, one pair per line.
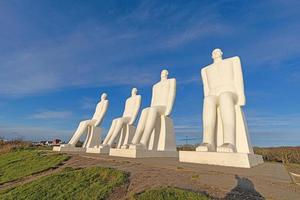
242,160
98,150
134,153
69,149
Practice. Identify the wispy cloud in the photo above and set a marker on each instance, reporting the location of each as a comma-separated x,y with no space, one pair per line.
274,122
34,133
51,115
88,103
101,54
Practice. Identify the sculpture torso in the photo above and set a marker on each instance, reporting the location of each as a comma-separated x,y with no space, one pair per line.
220,77
160,93
100,110
132,106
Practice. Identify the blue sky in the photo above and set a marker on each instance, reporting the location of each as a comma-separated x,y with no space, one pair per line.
57,57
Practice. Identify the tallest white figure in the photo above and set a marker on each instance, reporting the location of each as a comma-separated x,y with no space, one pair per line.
223,89
225,134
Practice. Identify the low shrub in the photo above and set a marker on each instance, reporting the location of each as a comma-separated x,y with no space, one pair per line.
285,155
7,146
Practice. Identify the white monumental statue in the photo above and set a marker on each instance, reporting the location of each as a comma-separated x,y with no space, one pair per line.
225,135
122,129
89,127
154,136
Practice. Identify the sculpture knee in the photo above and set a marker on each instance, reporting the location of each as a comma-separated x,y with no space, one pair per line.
145,110
227,99
115,121
152,111
82,123
119,122
210,101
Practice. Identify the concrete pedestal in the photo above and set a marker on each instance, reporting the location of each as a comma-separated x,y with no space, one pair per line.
69,149
134,153
103,150
243,160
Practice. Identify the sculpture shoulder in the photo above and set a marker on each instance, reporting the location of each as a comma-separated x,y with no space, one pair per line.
105,103
204,69
233,59
172,80
102,104
137,97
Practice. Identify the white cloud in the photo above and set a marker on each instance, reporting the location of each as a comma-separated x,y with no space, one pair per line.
102,54
34,133
51,115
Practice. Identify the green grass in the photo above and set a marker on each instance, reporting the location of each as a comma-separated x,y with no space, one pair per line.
88,183
21,163
169,194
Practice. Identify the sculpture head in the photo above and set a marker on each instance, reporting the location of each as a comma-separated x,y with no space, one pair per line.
164,74
217,54
134,92
103,96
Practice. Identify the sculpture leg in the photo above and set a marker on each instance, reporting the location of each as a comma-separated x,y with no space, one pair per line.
110,132
117,130
209,124
80,130
227,108
140,127
149,127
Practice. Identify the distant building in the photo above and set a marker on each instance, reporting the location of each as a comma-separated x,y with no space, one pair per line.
56,142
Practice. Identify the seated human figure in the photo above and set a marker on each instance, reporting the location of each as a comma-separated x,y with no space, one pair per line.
163,97
85,126
223,90
130,113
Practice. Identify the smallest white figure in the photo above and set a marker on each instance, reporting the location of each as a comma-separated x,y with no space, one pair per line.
122,128
154,136
89,127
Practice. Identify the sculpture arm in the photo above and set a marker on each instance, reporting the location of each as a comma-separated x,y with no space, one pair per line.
239,82
205,82
153,95
171,97
103,112
136,109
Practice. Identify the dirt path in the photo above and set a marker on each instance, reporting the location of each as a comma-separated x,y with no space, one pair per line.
267,181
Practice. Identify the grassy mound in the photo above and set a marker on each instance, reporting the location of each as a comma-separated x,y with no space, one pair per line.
21,163
285,155
170,194
88,183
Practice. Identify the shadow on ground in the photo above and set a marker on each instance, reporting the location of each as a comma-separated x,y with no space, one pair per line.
244,189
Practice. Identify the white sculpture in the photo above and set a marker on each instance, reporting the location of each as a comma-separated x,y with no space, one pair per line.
122,129
90,128
224,126
223,94
154,136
